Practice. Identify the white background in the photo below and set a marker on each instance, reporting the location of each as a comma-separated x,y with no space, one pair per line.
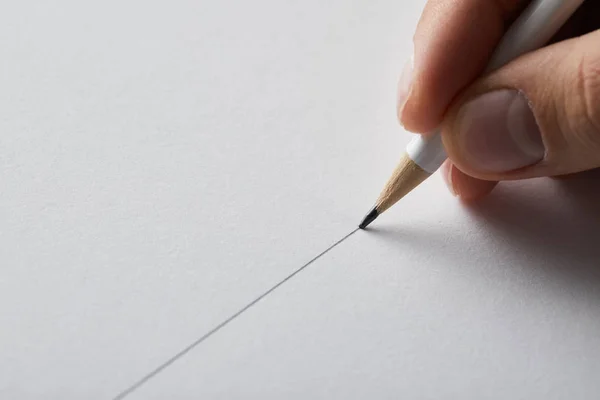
164,163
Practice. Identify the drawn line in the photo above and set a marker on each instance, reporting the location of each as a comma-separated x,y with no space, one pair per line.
217,328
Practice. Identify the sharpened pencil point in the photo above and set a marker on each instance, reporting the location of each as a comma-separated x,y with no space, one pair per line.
370,217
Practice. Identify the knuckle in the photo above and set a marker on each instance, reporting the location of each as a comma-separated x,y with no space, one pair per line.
589,79
583,103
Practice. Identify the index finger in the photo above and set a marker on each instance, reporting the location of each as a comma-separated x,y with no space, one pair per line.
452,44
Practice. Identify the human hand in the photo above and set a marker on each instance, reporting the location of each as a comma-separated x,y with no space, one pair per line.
537,116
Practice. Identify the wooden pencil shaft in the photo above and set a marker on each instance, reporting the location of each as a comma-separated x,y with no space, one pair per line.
407,176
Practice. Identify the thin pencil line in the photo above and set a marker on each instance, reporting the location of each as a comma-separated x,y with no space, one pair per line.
217,328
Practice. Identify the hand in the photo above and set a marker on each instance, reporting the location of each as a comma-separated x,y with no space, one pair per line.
537,116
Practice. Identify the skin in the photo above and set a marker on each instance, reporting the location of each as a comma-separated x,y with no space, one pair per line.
453,42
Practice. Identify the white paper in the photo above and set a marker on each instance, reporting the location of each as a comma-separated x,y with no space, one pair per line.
495,302
164,163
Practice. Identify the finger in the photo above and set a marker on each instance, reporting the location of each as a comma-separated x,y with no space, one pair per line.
537,116
452,44
464,186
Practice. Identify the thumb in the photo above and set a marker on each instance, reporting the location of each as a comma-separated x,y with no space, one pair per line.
537,116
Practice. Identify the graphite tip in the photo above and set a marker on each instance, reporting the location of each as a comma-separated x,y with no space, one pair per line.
370,217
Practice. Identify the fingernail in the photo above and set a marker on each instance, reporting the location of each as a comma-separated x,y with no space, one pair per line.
405,86
499,133
447,175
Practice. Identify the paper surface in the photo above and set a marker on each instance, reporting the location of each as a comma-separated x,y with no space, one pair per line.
500,301
164,163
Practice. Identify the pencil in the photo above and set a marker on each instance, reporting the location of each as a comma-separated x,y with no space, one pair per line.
425,154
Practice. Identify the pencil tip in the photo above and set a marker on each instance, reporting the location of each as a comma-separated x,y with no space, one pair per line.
370,217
